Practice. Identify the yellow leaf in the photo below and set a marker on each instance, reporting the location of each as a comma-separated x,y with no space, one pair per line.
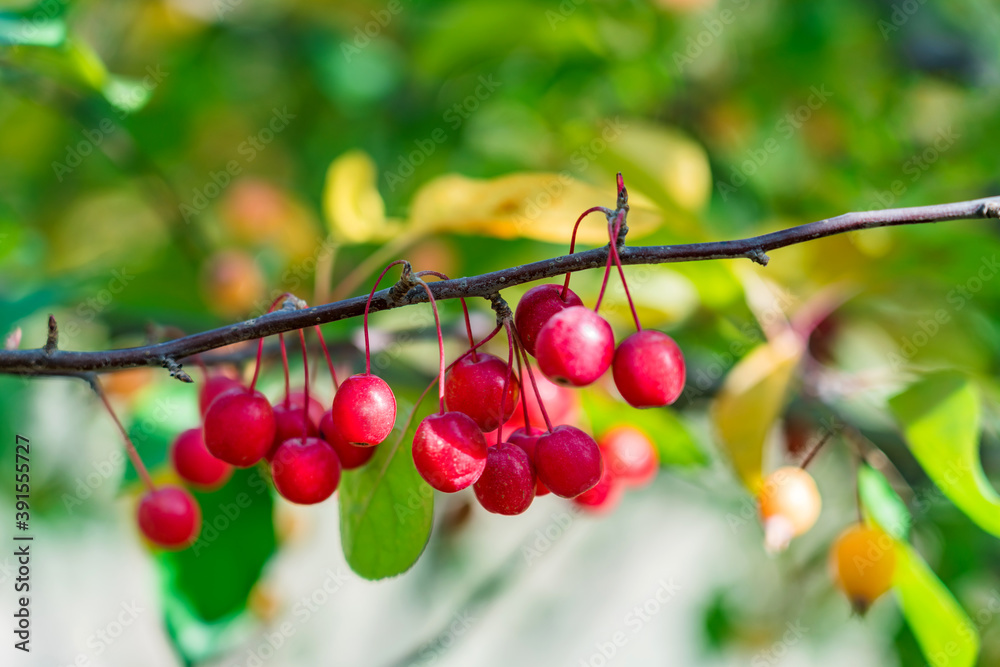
355,212
662,162
541,206
750,401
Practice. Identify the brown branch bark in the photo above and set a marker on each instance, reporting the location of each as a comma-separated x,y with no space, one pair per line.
52,361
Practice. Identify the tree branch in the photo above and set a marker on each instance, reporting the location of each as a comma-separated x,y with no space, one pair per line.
51,361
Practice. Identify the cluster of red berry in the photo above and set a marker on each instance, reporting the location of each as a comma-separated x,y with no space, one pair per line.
306,448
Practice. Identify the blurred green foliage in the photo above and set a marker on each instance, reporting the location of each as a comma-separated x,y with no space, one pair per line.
166,162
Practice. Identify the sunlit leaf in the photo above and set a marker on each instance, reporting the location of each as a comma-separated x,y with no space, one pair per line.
940,417
674,443
540,206
386,508
943,630
355,212
883,503
750,401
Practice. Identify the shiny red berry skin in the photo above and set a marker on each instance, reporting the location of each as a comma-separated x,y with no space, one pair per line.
568,461
364,409
629,455
575,347
351,456
213,387
561,403
649,369
169,517
305,471
195,464
290,421
527,440
449,451
604,496
536,307
507,485
474,386
239,428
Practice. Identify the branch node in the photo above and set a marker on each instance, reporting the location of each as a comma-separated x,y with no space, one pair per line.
759,256
176,371
500,307
52,341
406,282
990,209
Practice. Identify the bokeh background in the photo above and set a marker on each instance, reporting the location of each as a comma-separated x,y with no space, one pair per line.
177,163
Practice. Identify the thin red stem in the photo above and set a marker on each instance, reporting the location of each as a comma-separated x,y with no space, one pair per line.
256,368
604,283
506,384
465,310
368,305
572,243
130,449
284,363
326,353
524,394
519,346
441,362
305,373
613,244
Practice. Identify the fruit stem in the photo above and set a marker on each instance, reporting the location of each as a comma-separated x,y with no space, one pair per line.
506,383
437,323
524,394
256,368
604,283
326,353
815,450
465,311
531,376
130,449
368,304
284,363
613,245
572,242
305,373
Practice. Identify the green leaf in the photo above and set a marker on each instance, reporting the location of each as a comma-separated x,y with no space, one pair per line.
944,632
940,417
208,584
386,509
882,502
674,443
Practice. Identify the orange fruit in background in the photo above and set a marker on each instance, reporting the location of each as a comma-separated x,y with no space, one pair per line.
232,283
863,561
789,506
